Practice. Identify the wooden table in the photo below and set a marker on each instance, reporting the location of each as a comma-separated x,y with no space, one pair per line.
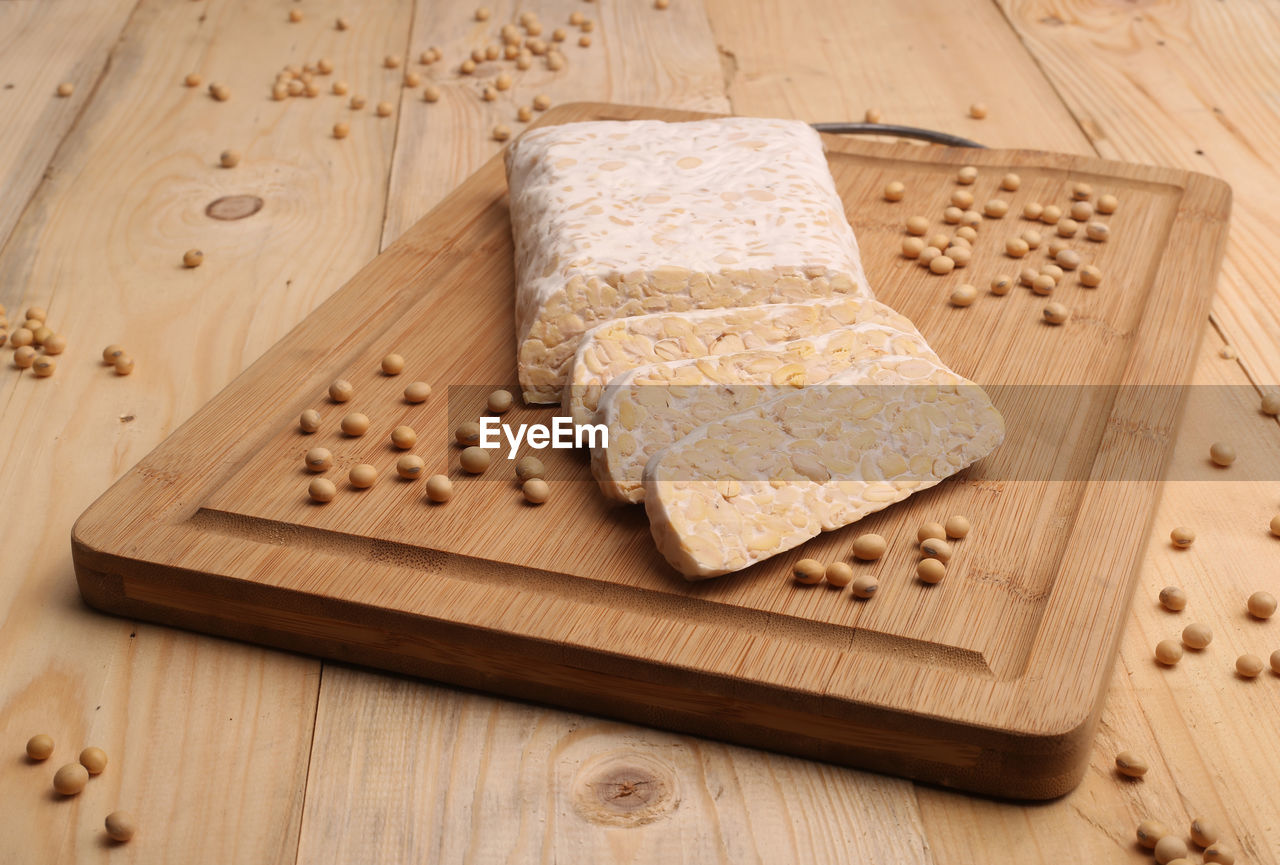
231,753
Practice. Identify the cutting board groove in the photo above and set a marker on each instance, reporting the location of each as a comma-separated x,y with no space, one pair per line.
990,681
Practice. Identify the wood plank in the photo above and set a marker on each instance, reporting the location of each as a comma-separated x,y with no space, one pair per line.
208,739
41,46
452,776
1188,86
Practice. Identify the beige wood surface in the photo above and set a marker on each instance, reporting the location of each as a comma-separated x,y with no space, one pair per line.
766,808
43,45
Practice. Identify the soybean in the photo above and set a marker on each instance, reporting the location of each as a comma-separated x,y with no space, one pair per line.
355,424
417,391
1222,454
410,466
1262,605
1081,211
1168,848
1219,854
1150,832
865,586
44,367
839,574
1090,276
474,459
930,530
321,490
1197,635
808,571
341,390
957,526
529,467
1271,403
439,488
869,547
942,265
1182,537
894,191
1056,313
393,364
362,476
500,401
931,570
1168,652
1248,665
1130,764
1173,598
467,433
40,747
70,779
936,548
318,459
536,491
94,760
1203,832
404,437
120,825
963,295
192,258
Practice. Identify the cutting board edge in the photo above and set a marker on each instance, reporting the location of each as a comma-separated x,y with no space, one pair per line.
985,760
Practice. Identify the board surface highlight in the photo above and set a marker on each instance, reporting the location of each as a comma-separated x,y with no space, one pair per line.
989,681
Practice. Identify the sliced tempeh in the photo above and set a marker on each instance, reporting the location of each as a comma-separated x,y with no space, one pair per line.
610,349
753,484
613,219
652,406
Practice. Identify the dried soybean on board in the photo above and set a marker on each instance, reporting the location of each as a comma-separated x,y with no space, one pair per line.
989,681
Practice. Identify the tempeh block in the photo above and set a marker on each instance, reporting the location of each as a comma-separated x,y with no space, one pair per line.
756,483
652,406
614,219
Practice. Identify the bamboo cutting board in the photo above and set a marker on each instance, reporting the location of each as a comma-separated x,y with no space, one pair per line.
990,681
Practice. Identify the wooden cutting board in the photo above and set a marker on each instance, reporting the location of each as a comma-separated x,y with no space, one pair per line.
990,681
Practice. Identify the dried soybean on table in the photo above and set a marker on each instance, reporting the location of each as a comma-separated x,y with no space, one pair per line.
227,752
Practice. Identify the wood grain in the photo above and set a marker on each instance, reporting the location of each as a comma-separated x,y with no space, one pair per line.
639,55
41,46
860,65
897,684
1183,85
208,739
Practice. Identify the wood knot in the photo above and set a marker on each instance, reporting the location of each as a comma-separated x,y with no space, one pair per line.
628,789
234,207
